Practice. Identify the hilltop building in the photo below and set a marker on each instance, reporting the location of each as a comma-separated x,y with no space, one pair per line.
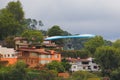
31,55
83,64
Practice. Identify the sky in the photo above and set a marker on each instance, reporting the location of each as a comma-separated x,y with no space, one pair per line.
98,17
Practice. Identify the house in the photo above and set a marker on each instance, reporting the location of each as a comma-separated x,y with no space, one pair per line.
30,55
34,56
8,54
83,64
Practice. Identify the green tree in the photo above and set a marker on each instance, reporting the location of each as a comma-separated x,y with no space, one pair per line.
94,43
75,53
116,44
18,71
107,43
108,58
16,9
115,75
66,64
8,25
56,31
10,20
34,36
55,65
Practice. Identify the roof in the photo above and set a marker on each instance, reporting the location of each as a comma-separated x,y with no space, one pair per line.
79,60
40,51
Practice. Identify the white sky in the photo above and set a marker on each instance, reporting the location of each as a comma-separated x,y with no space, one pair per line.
99,17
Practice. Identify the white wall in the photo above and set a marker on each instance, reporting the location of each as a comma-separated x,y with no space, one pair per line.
7,52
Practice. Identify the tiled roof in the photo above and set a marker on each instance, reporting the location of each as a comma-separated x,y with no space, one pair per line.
41,51
79,60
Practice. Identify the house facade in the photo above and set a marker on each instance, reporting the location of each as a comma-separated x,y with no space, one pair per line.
33,56
83,64
8,54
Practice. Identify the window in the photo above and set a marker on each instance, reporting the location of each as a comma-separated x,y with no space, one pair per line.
84,67
93,61
42,56
48,56
13,55
85,62
33,54
95,67
44,61
8,55
5,55
89,67
74,67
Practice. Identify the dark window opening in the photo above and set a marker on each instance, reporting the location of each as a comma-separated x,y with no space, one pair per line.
85,62
95,67
89,67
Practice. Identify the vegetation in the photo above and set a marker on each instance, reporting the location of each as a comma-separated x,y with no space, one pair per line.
108,58
55,65
11,18
93,44
75,53
33,36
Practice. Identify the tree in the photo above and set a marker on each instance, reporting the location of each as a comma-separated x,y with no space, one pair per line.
66,64
56,31
75,53
107,43
16,9
10,20
116,44
108,58
34,36
55,65
33,24
115,75
18,71
94,43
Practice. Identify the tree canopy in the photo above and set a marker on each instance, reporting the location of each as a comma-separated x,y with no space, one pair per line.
10,20
33,35
55,31
108,58
55,65
116,44
16,9
92,44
